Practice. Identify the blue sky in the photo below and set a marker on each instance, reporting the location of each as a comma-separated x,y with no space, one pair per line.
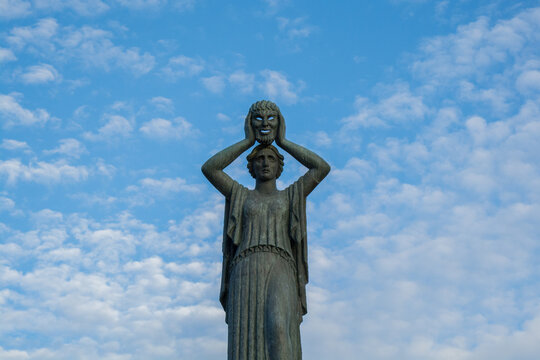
424,238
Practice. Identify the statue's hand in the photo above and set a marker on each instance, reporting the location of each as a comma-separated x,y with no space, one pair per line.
280,136
248,129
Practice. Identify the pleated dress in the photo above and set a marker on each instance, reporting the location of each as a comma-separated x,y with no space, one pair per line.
263,285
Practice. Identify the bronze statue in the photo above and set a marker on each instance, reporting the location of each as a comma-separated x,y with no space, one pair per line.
264,240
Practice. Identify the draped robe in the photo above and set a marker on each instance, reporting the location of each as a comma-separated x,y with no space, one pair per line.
264,278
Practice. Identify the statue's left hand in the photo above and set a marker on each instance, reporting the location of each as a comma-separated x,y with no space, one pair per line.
280,137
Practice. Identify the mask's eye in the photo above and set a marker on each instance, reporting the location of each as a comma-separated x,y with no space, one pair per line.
271,118
259,118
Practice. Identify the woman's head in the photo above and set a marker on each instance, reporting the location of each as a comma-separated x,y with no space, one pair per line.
263,158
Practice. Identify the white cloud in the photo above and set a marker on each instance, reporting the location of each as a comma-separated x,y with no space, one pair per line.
14,8
81,7
355,171
201,224
102,168
436,225
14,114
116,126
164,187
6,204
180,5
69,147
90,46
39,74
20,8
477,47
397,107
41,172
182,66
178,128
295,28
94,48
39,35
276,86
142,4
6,55
243,81
529,81
274,5
183,5
163,104
215,84
222,117
10,144
402,106
321,138
125,302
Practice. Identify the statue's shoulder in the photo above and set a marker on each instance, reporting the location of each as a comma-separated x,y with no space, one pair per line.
238,192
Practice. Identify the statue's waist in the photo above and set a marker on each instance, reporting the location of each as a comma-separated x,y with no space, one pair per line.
263,249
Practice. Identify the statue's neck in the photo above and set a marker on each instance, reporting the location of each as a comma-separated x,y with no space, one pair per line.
266,187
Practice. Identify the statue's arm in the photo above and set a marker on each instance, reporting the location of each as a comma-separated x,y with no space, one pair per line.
213,167
318,168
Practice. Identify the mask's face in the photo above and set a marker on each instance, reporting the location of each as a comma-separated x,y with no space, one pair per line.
265,124
265,165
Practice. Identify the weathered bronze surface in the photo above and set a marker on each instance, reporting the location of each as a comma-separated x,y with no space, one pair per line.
264,240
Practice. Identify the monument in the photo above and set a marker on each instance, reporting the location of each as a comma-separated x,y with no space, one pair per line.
265,268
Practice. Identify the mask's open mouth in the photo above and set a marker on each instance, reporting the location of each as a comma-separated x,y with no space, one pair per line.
265,131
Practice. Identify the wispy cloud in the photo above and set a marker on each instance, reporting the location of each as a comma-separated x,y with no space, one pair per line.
296,28
93,47
6,55
116,127
276,86
39,35
120,292
86,7
428,217
163,187
215,84
182,66
41,172
163,129
10,144
477,47
68,147
244,82
399,105
14,114
39,74
162,104
10,9
180,5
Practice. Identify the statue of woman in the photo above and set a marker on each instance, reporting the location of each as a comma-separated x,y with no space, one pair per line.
264,240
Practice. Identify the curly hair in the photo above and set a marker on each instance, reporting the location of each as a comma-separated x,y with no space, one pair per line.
264,105
254,153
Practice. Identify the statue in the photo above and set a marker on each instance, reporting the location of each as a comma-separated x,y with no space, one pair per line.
264,240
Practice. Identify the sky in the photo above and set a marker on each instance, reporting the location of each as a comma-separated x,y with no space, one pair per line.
424,240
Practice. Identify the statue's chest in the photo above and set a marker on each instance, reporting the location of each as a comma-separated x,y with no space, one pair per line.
266,206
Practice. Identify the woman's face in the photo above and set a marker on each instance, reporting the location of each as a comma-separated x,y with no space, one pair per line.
265,124
265,165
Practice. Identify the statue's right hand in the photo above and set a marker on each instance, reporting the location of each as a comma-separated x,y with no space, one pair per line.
248,129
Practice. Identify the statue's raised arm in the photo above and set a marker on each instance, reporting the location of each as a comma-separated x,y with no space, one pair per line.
213,167
264,240
318,168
